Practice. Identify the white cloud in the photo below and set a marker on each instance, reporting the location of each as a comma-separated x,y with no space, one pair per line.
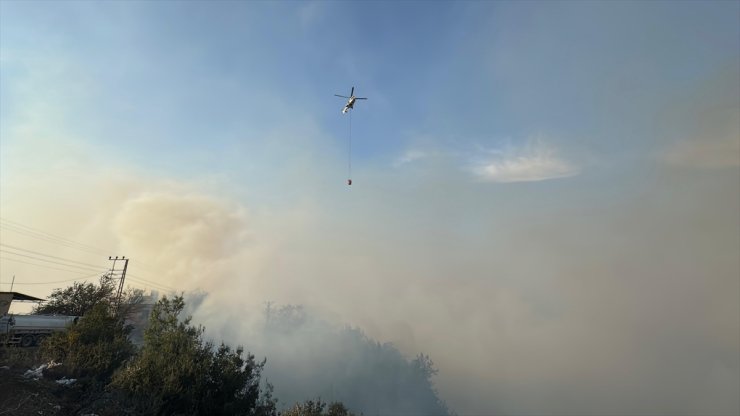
536,161
410,156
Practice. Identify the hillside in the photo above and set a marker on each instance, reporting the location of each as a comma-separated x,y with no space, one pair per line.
94,368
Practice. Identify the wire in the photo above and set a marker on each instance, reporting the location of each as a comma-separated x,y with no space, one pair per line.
58,281
147,281
141,282
152,286
53,238
45,266
349,150
50,239
87,277
19,228
48,255
50,261
50,235
135,277
149,285
46,239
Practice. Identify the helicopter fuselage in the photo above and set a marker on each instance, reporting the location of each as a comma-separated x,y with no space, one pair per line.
350,100
350,104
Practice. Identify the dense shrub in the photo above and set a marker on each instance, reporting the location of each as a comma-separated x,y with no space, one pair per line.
317,408
96,346
177,372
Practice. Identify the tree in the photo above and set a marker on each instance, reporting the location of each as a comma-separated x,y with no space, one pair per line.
94,347
77,299
313,358
80,298
98,343
176,372
317,408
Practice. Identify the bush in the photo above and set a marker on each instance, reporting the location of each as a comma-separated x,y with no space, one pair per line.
176,372
316,408
95,347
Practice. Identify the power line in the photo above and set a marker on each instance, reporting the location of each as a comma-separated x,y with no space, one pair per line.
82,266
27,231
47,255
36,233
140,279
110,273
151,286
47,234
140,282
145,269
59,281
49,261
47,239
47,267
148,286
149,282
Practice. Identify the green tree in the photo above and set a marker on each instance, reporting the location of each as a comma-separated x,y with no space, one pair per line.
94,347
98,343
80,298
77,299
317,408
176,372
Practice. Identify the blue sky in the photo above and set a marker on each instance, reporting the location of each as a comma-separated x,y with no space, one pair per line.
552,185
187,78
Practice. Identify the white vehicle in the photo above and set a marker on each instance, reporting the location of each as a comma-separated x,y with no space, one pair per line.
29,330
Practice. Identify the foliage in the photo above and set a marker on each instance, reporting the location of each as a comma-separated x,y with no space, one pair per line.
317,408
19,357
176,372
313,358
96,346
78,299
286,318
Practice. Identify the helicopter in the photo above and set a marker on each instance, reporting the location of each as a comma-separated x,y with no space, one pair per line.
351,100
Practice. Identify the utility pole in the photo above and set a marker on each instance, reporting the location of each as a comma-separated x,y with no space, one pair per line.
121,279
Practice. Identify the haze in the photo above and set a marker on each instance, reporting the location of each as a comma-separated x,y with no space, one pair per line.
545,197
